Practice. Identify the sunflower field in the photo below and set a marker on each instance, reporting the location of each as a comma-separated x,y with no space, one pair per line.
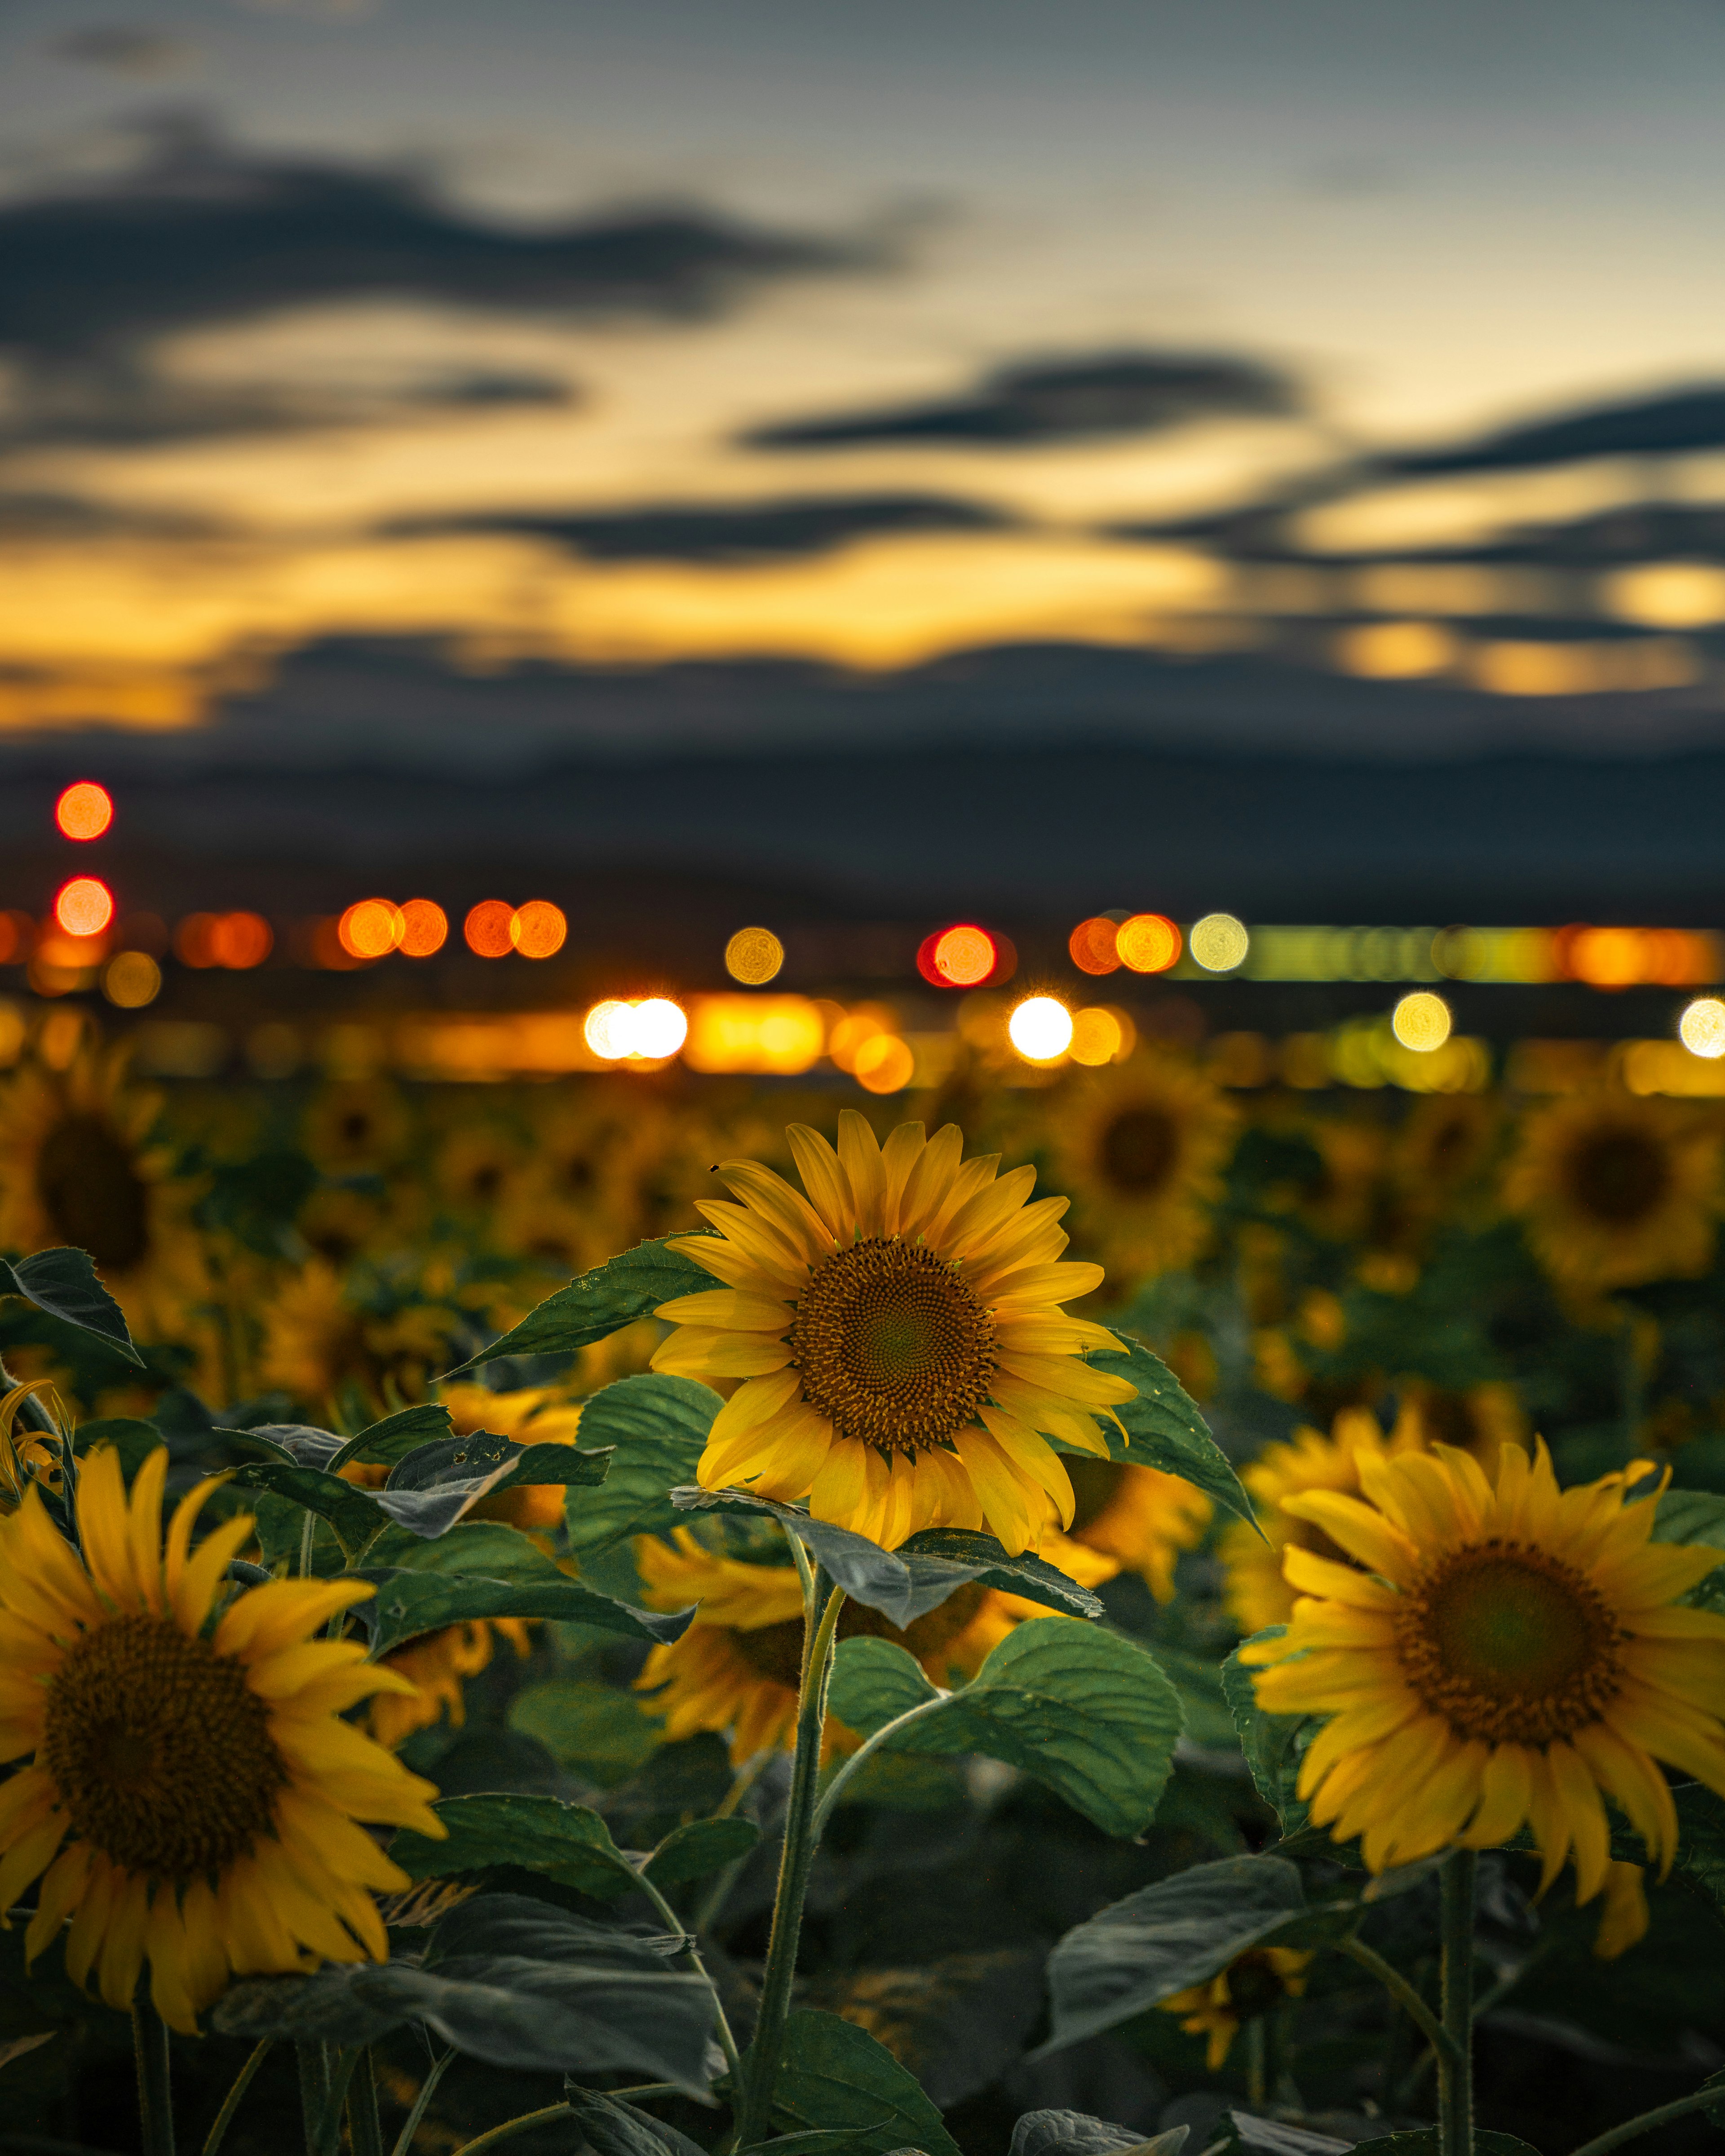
652,1616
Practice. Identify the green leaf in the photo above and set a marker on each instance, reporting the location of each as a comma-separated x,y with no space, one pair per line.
1238,2130
1422,2141
598,1304
461,1462
1166,1428
1273,1743
980,1557
1085,1711
874,1682
611,2128
656,1427
64,1283
132,1438
596,1731
410,1602
1695,1516
1137,1953
355,1515
703,1845
396,1436
834,2074
1076,2133
564,1842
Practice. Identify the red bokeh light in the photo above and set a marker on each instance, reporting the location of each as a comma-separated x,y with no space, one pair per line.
84,811
488,928
538,929
84,906
425,928
958,957
1092,944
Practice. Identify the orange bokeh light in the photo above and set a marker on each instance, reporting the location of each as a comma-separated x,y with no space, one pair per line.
84,811
1149,942
964,956
538,929
488,928
1631,957
241,940
371,928
1093,946
17,938
84,907
425,927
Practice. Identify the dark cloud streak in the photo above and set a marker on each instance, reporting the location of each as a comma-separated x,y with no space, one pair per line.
752,530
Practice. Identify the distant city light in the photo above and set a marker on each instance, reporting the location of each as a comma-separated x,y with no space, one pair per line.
1701,1028
1093,944
488,928
84,906
424,928
131,979
753,956
84,811
609,1029
781,1035
884,1064
1218,943
1040,1029
960,958
538,929
1421,1021
651,1031
1149,942
371,929
660,1027
1102,1035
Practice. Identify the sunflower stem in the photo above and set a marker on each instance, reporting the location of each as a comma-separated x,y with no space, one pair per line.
149,2038
1632,2127
231,2101
691,1956
527,2120
427,2089
365,2132
795,1860
1455,2059
1404,1995
1257,2063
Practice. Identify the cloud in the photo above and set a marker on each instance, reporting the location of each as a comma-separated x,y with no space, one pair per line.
124,50
1679,422
699,532
1122,393
205,231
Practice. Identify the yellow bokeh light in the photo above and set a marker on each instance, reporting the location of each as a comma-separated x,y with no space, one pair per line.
661,1028
1421,1021
1097,1036
1668,594
1149,942
1218,943
132,979
884,1064
852,1035
780,1036
1396,650
1040,1029
1701,1028
609,1030
753,956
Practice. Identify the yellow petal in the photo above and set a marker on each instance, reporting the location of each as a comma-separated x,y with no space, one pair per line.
823,1179
728,1310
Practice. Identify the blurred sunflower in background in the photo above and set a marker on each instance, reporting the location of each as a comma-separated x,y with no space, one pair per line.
1443,1144
899,1333
1127,1519
736,1670
321,1339
1481,1420
356,1126
1497,1654
189,1796
1252,1984
434,1670
1141,1147
79,1165
477,1166
1615,1190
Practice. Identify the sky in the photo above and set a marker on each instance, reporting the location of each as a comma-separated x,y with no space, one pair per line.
1340,379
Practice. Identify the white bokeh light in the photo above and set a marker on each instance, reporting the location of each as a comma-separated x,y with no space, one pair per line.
1040,1029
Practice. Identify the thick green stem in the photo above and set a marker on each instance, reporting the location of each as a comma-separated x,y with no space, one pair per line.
364,2132
1404,1995
1257,2060
1702,2100
156,2110
230,2102
794,1867
1455,2059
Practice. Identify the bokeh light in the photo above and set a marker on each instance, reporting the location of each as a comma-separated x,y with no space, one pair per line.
1149,942
1040,1029
490,927
242,941
1101,1035
884,1064
131,979
371,929
1421,1021
609,1030
1093,946
651,1031
538,929
660,1027
17,938
778,1035
753,956
84,906
1701,1028
1218,943
424,928
959,957
84,811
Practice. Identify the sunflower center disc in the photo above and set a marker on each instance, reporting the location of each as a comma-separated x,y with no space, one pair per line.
1509,1645
1620,1177
160,1749
1139,1150
93,1195
891,1346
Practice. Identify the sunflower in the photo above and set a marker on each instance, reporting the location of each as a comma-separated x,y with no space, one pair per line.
1614,1191
532,1415
477,1167
356,1125
1498,1655
1443,1144
900,1335
1624,1920
317,1340
1252,1985
738,1666
1127,1519
435,1668
1257,1593
189,1795
1142,1147
1480,1421
79,1165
